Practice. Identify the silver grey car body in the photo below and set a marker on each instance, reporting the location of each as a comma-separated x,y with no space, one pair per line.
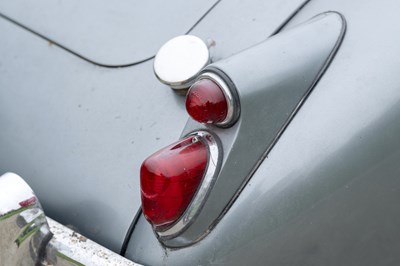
80,110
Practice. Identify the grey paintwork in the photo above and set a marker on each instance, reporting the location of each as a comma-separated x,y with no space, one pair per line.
78,132
121,33
328,192
276,95
326,195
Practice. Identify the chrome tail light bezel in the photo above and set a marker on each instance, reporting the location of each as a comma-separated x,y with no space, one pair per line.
214,163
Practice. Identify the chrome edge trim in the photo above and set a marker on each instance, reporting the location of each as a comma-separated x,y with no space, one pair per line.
28,237
227,92
208,179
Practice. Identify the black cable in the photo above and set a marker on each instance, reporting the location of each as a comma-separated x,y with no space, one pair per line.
130,232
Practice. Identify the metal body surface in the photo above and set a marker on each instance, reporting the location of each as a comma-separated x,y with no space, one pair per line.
326,194
125,33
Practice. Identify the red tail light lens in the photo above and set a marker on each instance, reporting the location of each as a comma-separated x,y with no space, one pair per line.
169,179
206,102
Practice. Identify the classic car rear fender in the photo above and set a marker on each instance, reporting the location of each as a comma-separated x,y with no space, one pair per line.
327,194
277,92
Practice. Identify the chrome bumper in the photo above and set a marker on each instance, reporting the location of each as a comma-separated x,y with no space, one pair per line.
28,237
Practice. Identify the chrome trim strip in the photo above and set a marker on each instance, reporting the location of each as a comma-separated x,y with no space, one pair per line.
207,182
67,247
227,92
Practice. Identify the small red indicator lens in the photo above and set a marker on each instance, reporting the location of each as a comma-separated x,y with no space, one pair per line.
28,202
169,179
206,102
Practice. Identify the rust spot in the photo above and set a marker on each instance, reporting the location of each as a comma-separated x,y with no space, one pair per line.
82,239
50,43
